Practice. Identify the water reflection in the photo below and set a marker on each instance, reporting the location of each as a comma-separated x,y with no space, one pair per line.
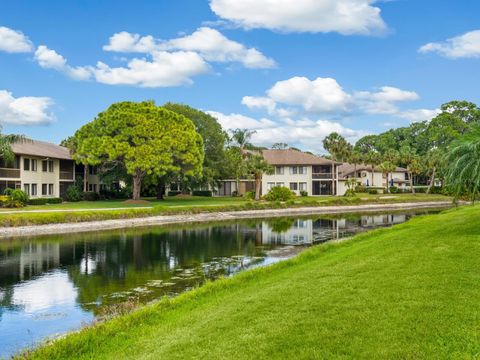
49,285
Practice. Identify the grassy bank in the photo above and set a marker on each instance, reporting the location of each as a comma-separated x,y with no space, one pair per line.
406,292
88,211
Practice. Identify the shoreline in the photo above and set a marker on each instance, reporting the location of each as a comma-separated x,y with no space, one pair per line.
88,226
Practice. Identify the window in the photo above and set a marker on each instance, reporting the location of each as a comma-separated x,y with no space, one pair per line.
50,165
44,167
279,184
26,188
34,190
302,170
94,187
34,164
270,185
279,170
50,189
44,189
302,186
294,186
293,170
26,164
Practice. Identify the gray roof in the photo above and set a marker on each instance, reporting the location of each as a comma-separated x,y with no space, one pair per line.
42,149
293,157
346,169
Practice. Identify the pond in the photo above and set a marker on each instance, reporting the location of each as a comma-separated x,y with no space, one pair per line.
53,284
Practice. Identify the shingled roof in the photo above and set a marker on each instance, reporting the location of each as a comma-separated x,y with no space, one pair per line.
42,149
293,157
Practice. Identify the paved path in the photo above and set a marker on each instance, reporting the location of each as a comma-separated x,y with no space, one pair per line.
66,228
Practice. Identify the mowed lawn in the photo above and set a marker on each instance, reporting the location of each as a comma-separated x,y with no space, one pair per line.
408,292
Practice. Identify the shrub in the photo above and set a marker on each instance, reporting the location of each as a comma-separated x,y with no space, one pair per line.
279,193
361,189
250,195
20,196
207,193
394,190
349,193
73,193
372,191
174,193
44,201
91,196
234,193
303,193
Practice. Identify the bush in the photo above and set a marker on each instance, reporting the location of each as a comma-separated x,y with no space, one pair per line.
19,196
44,201
207,193
250,195
349,193
361,189
372,191
91,196
174,193
303,193
73,193
279,193
394,190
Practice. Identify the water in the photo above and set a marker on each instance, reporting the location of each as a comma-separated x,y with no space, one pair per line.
50,285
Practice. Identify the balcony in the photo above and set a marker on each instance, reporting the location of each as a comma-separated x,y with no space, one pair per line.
66,175
9,173
322,176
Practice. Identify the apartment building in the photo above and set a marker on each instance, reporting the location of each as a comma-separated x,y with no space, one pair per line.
43,169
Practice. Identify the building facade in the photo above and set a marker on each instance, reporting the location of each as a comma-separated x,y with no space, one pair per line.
42,170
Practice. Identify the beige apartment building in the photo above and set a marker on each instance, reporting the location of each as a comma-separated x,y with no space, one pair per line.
43,169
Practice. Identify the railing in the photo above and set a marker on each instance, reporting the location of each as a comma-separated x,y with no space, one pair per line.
66,175
322,176
10,173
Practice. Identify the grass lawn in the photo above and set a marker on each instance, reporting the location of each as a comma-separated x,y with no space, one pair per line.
411,291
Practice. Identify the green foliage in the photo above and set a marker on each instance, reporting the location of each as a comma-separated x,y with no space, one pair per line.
44,201
303,193
393,189
91,196
206,193
174,193
15,198
73,193
361,189
372,191
256,166
349,193
279,193
337,146
250,195
144,138
281,224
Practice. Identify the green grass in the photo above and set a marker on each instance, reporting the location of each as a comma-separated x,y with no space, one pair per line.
191,205
408,292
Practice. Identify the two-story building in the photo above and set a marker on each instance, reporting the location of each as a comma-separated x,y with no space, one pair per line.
43,169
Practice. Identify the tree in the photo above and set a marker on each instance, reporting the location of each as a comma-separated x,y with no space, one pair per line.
372,158
338,148
241,138
6,142
355,158
257,166
431,164
214,141
280,146
386,168
467,111
463,158
146,139
408,158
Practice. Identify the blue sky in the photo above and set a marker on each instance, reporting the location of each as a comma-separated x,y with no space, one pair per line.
294,71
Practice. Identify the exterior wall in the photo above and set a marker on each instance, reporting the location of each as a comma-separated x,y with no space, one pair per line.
288,178
40,177
365,177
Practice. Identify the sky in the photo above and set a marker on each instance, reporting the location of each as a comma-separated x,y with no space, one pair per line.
292,70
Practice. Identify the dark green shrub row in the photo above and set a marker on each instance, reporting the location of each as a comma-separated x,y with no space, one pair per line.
44,201
207,193
174,193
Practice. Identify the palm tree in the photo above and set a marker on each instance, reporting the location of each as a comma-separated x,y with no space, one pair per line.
408,157
355,158
414,168
463,159
372,158
337,146
242,137
386,168
431,164
6,142
257,166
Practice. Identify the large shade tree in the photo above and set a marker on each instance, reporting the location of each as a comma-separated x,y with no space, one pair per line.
146,139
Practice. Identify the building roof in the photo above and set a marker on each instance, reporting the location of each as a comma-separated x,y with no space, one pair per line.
293,157
347,169
42,149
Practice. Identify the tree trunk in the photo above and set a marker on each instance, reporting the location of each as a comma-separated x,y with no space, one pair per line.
258,186
85,177
373,174
160,190
137,184
432,179
387,189
410,176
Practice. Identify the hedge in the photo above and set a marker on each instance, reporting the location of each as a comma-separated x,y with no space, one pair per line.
44,201
207,193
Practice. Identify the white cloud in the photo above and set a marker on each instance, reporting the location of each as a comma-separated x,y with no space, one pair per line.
165,70
13,41
343,16
383,101
416,115
50,59
319,95
260,102
305,133
463,46
207,42
26,110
